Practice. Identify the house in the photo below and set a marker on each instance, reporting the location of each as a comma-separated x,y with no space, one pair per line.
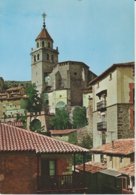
119,159
91,174
115,173
113,104
10,103
34,163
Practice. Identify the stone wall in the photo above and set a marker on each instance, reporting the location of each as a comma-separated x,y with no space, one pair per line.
124,130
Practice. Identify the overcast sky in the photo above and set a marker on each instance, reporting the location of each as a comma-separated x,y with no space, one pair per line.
96,32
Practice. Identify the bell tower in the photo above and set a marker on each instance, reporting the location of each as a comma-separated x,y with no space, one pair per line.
43,58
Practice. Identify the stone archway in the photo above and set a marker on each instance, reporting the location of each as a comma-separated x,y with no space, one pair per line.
35,125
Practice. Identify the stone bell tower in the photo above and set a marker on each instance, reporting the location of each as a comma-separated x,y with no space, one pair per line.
43,59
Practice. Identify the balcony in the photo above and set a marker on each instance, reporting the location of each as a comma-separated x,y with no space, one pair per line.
101,106
62,184
102,126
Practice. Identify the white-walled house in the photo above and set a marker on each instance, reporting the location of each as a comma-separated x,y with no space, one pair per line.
113,104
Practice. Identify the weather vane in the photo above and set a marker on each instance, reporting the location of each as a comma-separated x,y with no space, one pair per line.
44,16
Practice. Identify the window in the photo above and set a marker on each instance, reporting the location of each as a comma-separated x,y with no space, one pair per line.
52,167
49,44
101,157
42,43
34,58
38,56
121,159
75,73
110,77
103,138
37,45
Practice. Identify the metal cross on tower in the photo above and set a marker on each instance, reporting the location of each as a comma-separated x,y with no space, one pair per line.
44,16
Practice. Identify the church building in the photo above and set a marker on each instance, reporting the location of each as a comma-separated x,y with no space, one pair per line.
60,83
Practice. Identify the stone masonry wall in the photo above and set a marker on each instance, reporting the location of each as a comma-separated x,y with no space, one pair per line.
124,130
17,173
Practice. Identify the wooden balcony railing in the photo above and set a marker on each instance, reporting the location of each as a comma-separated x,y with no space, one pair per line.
102,126
62,183
101,106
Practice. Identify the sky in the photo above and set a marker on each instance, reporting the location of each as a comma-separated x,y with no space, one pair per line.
96,32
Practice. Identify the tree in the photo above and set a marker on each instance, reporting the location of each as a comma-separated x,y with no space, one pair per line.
1,84
23,119
33,103
87,142
79,117
60,120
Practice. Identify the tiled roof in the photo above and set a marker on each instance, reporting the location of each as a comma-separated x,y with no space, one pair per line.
128,170
44,35
15,123
91,167
62,132
118,147
17,139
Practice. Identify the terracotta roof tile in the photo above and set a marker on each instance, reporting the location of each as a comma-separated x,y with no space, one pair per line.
91,167
62,132
44,35
15,123
118,147
16,139
128,170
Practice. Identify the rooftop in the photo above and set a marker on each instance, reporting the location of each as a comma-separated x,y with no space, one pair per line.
44,35
128,170
62,132
110,69
117,147
16,139
91,167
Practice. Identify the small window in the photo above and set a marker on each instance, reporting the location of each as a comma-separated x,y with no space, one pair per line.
38,56
52,167
110,76
101,156
49,45
42,43
37,45
121,159
75,73
34,58
60,96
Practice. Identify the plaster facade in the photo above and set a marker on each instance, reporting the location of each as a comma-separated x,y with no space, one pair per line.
113,104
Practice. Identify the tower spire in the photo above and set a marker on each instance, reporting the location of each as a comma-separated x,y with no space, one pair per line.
44,16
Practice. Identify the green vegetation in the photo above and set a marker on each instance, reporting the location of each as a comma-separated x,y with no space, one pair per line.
79,117
33,103
73,138
87,142
60,120
23,119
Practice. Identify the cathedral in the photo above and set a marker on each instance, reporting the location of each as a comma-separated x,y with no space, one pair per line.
61,84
